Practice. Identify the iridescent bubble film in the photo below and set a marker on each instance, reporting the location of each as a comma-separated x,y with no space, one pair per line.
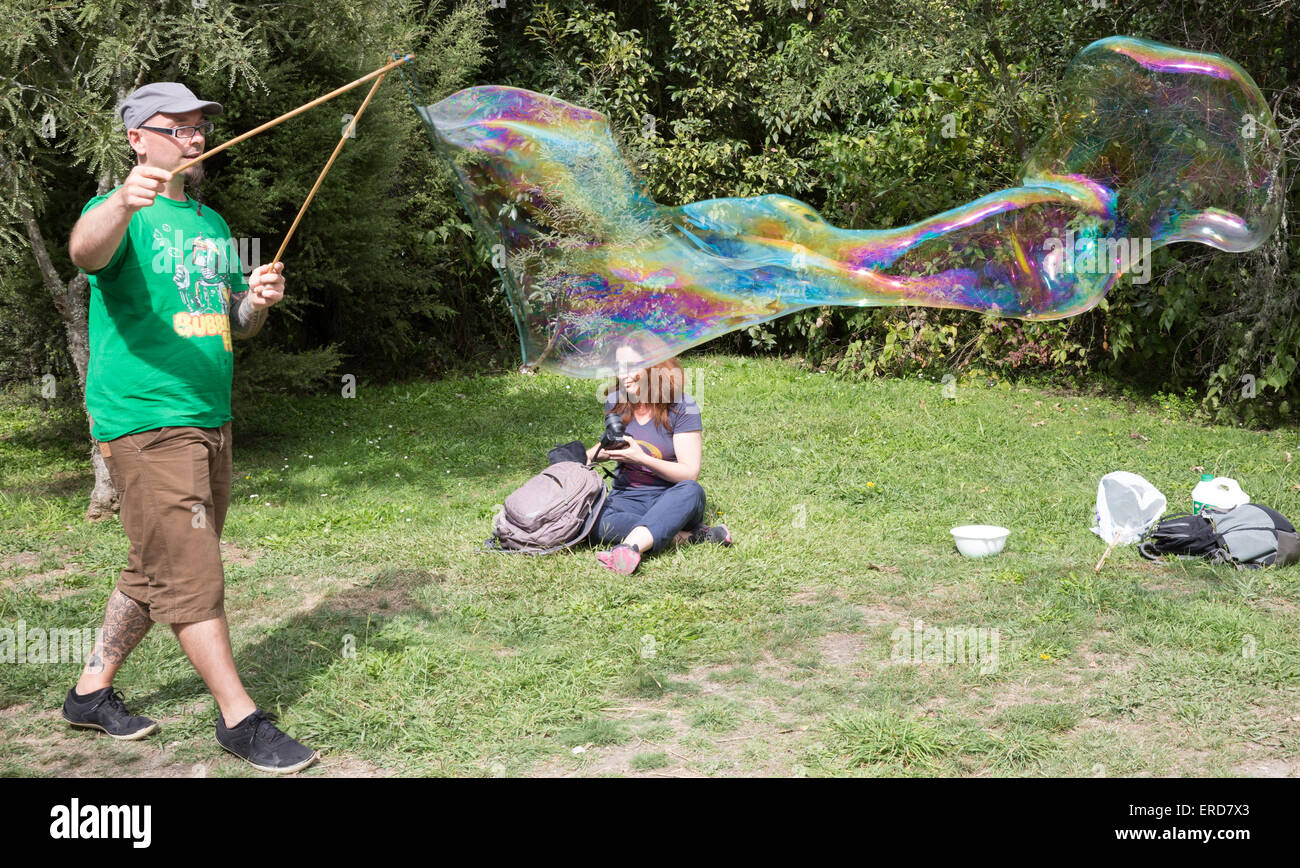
1152,145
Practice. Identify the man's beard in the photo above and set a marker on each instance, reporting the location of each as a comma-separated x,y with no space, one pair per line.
193,177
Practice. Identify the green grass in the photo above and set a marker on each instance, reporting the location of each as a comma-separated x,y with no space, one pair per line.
646,761
362,611
868,738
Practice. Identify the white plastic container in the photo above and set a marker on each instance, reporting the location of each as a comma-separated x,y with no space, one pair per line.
1221,492
980,540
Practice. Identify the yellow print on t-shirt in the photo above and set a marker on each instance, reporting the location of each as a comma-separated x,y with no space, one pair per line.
197,325
637,475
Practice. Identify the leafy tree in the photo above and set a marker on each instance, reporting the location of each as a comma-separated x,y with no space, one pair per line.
885,112
72,66
362,253
877,113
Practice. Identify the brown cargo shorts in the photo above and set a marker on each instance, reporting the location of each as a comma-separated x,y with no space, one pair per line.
174,485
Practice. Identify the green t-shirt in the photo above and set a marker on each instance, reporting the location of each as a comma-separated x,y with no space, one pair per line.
160,350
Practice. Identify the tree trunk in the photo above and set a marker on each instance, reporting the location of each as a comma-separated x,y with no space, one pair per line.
70,300
103,497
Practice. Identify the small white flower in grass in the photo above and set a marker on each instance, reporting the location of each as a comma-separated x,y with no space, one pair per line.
251,496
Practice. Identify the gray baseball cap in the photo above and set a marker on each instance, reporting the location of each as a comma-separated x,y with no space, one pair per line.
169,97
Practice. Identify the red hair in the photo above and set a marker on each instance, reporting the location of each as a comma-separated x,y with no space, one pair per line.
664,386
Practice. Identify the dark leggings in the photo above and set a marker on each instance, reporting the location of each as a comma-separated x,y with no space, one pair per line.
663,511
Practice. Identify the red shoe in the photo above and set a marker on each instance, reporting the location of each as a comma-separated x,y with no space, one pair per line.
622,558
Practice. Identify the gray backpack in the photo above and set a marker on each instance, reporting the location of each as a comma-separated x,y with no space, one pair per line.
1251,535
552,511
1254,535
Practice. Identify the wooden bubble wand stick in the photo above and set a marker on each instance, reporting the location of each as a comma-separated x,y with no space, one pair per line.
299,110
321,177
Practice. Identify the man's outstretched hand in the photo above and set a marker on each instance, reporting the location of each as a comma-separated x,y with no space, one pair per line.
142,187
266,285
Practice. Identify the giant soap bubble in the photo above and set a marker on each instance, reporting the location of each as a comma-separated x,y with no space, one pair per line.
1153,145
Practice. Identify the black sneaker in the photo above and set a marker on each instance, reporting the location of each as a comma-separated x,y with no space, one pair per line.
716,534
105,710
266,748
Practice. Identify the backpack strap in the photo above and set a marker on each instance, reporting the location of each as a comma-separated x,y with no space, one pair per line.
603,469
592,516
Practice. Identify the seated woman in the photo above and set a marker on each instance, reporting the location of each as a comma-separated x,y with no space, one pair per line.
656,500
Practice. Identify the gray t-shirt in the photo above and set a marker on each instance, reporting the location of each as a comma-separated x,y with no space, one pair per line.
655,440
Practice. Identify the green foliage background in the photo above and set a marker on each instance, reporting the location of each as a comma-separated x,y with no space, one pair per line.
840,103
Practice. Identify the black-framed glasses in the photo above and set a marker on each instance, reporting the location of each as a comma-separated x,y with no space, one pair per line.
185,132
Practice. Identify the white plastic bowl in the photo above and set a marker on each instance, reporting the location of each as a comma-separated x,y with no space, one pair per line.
980,540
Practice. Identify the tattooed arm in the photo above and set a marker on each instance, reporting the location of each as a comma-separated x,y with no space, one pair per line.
245,319
248,309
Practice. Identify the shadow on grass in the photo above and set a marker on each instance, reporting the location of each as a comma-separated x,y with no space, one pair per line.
282,666
470,436
68,484
53,430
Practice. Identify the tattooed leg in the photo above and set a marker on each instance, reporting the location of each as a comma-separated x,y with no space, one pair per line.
125,624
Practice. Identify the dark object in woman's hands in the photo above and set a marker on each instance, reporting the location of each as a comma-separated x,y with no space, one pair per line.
614,433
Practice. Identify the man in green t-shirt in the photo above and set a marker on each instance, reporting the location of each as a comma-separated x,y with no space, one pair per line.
167,296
